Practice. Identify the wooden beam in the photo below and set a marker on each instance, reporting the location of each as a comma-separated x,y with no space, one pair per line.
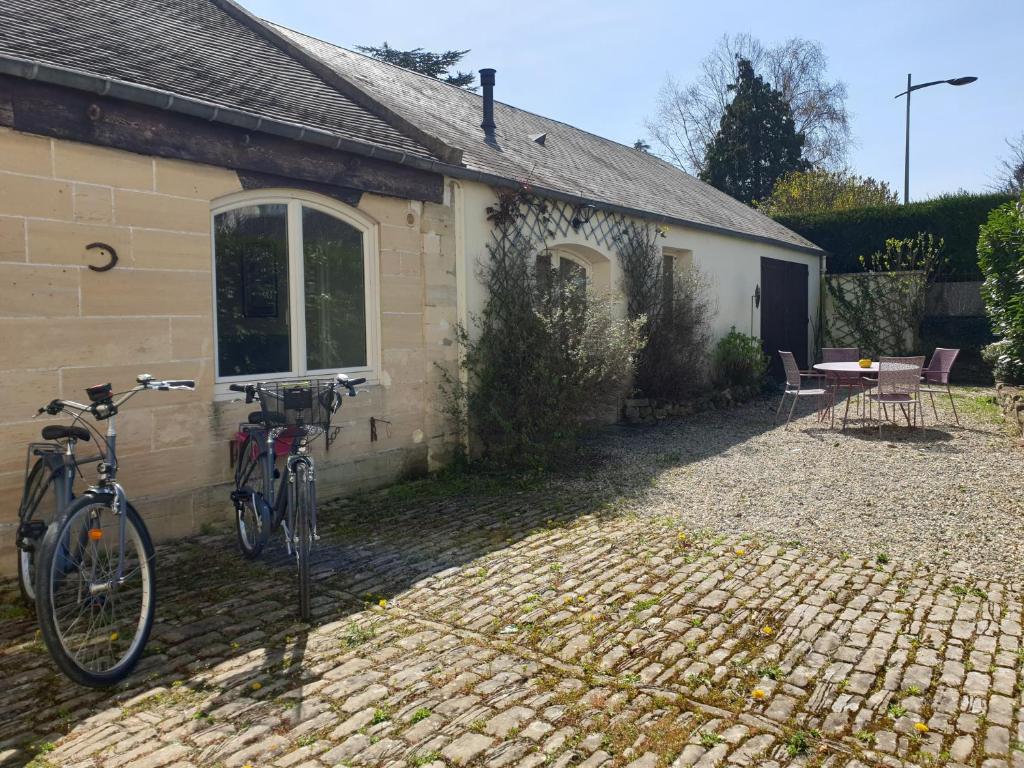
65,113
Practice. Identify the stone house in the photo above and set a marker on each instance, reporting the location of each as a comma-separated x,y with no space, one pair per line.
274,205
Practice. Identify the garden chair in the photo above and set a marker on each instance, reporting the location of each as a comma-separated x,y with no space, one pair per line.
937,373
794,387
850,381
898,385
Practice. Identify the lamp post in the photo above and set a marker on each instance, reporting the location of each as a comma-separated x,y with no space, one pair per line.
910,88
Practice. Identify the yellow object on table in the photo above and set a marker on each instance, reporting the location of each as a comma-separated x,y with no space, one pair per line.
864,362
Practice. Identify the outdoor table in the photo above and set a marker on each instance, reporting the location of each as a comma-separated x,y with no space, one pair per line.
847,368
852,367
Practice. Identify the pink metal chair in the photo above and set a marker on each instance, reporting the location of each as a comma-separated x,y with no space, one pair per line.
794,387
839,380
937,373
898,385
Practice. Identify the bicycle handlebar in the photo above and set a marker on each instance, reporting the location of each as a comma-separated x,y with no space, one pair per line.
341,379
105,409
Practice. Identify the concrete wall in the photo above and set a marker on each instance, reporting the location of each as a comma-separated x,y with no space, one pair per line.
65,327
731,265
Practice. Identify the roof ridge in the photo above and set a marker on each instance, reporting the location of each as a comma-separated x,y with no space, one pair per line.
339,82
456,87
362,55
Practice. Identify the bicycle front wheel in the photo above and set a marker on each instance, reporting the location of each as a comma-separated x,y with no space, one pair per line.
252,513
303,535
94,623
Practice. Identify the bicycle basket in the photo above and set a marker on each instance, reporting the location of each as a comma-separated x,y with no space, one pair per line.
308,403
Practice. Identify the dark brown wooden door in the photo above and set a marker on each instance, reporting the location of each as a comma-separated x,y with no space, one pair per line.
783,312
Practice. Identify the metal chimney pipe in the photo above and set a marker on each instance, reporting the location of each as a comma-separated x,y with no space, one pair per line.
487,81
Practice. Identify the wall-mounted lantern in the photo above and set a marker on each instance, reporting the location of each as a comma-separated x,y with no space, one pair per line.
755,303
581,215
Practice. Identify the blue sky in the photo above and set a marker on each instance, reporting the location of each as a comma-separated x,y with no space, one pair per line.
599,65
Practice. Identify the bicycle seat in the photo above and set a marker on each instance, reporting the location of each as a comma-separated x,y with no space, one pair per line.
60,432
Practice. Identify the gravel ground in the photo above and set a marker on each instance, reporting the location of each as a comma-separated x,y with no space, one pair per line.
952,497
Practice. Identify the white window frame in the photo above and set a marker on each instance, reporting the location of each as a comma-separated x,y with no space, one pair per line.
557,254
295,200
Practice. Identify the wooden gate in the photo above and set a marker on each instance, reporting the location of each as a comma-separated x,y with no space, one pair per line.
783,312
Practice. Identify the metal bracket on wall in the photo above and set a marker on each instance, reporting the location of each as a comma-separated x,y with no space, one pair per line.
374,421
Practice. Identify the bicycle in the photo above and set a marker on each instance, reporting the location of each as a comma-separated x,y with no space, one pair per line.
291,415
46,495
95,570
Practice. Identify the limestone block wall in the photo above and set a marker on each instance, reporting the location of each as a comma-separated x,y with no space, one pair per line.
64,327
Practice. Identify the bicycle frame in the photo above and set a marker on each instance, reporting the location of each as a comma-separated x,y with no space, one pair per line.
282,498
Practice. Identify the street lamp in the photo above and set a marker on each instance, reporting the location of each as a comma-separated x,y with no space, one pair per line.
910,88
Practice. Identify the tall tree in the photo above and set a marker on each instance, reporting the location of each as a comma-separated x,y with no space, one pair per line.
818,191
757,142
688,115
425,62
1011,170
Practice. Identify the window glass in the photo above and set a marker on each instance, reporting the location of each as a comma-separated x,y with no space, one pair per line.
572,272
251,260
335,286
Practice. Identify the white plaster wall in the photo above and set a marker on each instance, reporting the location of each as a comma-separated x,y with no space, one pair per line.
732,265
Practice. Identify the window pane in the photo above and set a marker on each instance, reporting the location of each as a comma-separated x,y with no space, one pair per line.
572,272
252,290
335,292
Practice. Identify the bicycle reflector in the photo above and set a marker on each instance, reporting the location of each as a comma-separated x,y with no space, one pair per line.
95,534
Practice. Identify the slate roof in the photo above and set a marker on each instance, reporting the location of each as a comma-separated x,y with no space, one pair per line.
191,48
200,50
571,160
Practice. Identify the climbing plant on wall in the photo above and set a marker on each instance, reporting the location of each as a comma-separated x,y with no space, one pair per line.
546,354
881,309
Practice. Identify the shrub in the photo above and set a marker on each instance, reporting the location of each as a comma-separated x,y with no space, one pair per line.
672,364
1001,259
739,361
847,235
548,355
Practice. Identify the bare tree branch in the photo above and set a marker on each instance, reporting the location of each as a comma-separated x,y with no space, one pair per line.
688,116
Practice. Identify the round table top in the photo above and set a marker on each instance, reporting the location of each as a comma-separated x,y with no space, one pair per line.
851,367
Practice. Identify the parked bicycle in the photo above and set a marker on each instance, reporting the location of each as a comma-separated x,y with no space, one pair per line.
95,569
47,493
291,415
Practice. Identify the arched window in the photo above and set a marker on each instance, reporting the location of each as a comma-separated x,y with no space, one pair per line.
570,267
295,288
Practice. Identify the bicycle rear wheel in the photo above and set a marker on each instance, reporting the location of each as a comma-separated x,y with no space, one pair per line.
303,535
38,505
252,513
95,625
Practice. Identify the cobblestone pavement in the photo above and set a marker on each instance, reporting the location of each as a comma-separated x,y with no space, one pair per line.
465,623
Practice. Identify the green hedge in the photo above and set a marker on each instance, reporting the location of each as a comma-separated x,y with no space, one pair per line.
847,235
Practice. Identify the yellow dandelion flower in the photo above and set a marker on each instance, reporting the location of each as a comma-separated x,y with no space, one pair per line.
581,599
740,551
766,630
920,727
114,636
567,600
383,603
682,536
256,685
758,693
